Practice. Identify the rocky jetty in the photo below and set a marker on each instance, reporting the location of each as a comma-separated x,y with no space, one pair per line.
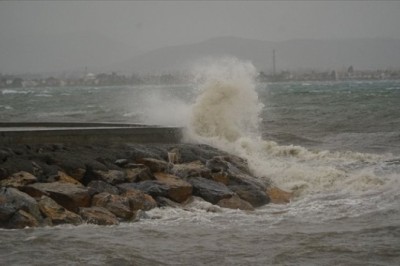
51,184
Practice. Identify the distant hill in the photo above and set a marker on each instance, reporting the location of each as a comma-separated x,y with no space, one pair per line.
294,54
75,51
58,52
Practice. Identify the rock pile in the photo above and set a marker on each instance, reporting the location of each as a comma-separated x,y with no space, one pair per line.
55,183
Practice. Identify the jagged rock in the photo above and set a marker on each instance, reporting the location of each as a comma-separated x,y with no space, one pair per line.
251,194
67,195
154,164
64,178
22,219
138,174
279,196
209,190
178,190
98,215
57,213
235,202
191,169
116,204
99,186
13,200
139,200
19,179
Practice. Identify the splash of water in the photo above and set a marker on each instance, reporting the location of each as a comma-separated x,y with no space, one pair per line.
226,115
227,107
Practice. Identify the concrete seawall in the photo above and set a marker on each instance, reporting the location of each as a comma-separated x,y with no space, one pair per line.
82,133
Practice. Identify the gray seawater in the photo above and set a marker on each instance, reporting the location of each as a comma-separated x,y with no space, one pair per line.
347,211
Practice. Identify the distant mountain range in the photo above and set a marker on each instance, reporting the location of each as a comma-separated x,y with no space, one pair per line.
294,54
74,52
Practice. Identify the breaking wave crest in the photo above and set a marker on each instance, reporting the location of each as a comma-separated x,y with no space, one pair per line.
226,115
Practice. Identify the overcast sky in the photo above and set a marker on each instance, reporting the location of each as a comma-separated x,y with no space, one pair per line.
144,26
152,24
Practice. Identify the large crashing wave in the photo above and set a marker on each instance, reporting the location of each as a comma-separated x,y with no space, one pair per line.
226,114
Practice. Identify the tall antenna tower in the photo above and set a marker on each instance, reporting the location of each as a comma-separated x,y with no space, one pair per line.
273,63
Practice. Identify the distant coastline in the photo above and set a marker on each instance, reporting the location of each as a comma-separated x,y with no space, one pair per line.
114,79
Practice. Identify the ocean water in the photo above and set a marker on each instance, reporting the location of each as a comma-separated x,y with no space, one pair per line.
336,145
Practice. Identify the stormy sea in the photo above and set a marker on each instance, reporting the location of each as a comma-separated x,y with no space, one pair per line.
335,145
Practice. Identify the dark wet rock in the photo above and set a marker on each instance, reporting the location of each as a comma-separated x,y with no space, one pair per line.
98,215
67,195
235,202
138,174
56,213
152,187
116,204
178,190
225,163
251,194
22,219
13,200
166,202
191,169
99,186
15,164
154,165
209,190
19,179
139,200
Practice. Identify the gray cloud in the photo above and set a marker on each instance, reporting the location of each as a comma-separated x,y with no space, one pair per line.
136,27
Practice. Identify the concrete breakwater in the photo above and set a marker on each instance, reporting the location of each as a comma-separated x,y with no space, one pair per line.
81,133
50,184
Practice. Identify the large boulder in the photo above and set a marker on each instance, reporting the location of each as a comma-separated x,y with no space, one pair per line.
235,202
13,200
152,187
251,194
98,215
178,190
22,219
19,179
67,195
209,190
139,200
116,204
56,213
